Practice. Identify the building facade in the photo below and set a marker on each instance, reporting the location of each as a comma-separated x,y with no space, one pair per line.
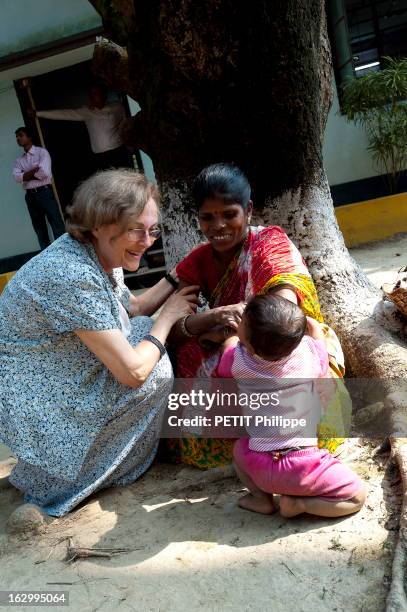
45,52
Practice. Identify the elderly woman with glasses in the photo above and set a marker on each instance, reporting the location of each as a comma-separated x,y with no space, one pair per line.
85,373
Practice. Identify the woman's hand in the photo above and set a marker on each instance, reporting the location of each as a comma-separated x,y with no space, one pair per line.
215,337
229,316
180,303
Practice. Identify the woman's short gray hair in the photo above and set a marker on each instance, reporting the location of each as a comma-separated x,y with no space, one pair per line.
108,197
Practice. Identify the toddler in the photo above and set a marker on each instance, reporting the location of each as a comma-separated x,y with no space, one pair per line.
275,341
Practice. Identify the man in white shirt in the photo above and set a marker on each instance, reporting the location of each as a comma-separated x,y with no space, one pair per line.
104,122
33,170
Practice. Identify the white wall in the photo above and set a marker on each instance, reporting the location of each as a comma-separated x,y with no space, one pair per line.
345,152
346,157
16,233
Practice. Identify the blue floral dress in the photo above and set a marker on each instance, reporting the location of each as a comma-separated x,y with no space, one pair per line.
74,428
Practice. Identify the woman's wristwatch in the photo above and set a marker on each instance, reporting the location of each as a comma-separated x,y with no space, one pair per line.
157,343
173,281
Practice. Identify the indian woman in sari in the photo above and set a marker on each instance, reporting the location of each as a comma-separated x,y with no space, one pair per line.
237,262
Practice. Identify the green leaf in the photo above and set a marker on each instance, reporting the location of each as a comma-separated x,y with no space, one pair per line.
377,102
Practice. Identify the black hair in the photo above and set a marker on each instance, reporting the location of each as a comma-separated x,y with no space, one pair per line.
224,181
28,131
274,326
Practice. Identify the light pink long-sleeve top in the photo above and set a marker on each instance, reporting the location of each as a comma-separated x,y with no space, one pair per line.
293,378
36,156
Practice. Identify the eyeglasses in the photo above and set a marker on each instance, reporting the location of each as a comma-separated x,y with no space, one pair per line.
139,233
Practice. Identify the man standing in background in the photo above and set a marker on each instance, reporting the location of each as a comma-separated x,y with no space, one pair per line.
104,122
33,170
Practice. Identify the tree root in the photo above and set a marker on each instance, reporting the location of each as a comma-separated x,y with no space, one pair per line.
397,598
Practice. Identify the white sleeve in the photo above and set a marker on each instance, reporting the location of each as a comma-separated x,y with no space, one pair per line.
64,114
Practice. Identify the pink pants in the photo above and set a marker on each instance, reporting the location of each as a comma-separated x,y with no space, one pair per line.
310,472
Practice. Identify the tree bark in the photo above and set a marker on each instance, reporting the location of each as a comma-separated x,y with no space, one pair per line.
371,332
250,83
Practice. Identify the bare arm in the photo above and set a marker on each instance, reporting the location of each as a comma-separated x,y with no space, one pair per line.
152,299
286,292
131,366
197,323
314,329
202,322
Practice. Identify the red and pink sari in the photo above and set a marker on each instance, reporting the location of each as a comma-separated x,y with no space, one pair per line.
266,259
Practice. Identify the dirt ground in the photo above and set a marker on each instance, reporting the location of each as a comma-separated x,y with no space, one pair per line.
190,546
186,545
381,260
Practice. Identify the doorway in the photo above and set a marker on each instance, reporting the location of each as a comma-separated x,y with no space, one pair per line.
67,141
69,146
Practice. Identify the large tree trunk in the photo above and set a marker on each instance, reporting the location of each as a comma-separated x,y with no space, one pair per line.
248,83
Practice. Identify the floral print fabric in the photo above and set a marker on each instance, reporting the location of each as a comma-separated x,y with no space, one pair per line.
72,425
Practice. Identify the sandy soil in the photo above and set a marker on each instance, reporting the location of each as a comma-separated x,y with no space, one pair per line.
381,260
188,545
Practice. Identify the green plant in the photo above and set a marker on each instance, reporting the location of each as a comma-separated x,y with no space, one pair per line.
377,101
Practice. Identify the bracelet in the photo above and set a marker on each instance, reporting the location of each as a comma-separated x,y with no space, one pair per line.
184,327
157,343
168,277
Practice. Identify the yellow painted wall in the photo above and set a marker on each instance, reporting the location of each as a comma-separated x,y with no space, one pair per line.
360,222
4,278
373,219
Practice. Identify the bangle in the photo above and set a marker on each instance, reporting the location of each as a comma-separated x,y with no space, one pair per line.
168,277
157,343
184,327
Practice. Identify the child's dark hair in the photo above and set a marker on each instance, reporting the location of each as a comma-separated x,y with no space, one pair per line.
274,326
224,181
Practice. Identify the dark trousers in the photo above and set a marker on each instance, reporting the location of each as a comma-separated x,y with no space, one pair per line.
42,205
115,158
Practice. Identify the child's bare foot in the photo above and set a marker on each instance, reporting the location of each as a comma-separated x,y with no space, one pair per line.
262,504
291,506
